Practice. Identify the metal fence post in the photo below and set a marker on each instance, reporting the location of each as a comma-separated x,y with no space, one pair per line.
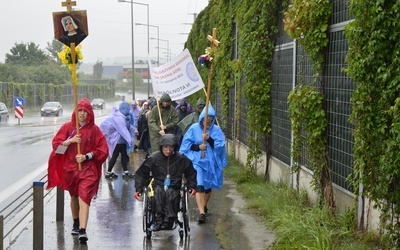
1,232
60,205
38,202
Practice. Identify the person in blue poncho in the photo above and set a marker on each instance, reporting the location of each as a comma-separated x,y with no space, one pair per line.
119,132
209,169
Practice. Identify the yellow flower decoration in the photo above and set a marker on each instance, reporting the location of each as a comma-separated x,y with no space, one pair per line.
65,55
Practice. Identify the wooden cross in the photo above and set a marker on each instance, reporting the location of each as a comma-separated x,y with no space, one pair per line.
214,43
68,4
213,38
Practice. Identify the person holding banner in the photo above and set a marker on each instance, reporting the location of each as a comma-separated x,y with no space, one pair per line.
207,151
163,119
79,173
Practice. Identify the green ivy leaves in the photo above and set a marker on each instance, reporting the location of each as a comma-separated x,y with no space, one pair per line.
307,22
307,116
373,62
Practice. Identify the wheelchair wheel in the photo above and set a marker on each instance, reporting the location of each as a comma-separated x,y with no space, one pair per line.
185,211
147,213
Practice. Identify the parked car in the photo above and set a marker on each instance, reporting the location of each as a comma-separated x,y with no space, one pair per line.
98,104
4,115
51,108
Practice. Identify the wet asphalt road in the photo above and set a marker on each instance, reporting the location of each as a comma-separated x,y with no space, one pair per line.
115,222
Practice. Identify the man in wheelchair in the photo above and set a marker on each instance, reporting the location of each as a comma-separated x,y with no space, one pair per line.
168,167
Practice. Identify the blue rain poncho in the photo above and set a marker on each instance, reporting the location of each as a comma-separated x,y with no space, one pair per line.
116,127
215,159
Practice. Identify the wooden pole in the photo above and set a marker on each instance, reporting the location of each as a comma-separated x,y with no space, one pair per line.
214,43
158,107
74,80
159,112
205,92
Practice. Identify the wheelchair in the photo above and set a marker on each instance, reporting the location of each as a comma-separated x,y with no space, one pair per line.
149,211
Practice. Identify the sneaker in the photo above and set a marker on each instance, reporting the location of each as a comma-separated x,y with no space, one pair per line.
127,174
111,175
75,231
82,236
201,218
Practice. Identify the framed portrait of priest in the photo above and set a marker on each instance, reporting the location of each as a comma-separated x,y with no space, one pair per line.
70,27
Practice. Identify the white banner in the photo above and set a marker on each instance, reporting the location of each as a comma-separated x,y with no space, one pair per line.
178,78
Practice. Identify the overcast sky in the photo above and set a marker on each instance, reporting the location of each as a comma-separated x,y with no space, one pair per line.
109,22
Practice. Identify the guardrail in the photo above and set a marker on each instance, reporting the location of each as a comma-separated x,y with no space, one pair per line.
29,205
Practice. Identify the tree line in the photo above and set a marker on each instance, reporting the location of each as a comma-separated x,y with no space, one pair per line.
27,63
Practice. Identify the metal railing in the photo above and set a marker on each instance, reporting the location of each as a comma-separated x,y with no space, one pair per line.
29,205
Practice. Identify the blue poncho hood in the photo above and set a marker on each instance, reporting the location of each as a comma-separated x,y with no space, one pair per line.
124,108
211,112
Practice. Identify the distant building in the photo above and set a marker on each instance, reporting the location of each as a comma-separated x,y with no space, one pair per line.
141,68
112,71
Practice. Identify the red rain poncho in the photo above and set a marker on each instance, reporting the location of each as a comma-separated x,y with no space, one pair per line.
63,169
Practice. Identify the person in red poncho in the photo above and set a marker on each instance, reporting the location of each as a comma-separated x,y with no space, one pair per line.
63,166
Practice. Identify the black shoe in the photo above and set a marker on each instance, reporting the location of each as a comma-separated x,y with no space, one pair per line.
201,218
82,236
127,174
111,175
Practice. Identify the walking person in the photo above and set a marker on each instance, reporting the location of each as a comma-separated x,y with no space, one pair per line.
193,117
64,163
118,132
185,102
143,129
182,113
167,166
169,118
209,169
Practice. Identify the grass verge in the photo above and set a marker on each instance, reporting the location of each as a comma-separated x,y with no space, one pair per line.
297,223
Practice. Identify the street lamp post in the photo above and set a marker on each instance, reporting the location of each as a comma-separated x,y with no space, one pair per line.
158,39
165,52
168,54
133,45
168,58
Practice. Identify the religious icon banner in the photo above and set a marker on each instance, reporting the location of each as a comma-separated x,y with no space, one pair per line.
70,26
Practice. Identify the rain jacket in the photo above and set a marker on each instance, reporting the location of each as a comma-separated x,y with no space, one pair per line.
215,159
169,117
160,165
62,165
186,122
117,125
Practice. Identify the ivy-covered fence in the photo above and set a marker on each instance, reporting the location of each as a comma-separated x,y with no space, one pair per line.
257,66
338,54
35,95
